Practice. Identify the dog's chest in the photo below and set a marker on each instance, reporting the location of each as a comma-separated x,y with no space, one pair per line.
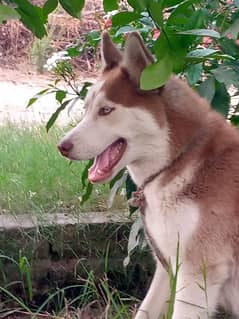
169,219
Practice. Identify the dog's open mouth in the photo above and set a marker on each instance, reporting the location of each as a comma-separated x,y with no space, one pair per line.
104,163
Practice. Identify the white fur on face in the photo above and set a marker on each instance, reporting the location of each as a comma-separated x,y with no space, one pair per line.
153,149
146,140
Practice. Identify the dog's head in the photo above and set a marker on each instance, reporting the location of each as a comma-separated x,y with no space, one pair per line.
121,123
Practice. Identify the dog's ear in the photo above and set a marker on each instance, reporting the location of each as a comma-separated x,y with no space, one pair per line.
136,57
110,54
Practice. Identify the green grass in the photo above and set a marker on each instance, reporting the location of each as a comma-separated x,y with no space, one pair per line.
34,177
87,297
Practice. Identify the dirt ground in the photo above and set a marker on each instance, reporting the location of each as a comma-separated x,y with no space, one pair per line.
19,50
17,87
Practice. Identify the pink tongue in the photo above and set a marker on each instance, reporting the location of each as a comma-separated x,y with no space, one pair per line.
104,163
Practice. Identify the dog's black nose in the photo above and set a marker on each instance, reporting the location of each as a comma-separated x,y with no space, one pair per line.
65,148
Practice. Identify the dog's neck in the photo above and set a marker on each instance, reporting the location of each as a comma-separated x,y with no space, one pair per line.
144,171
185,115
141,170
163,159
152,161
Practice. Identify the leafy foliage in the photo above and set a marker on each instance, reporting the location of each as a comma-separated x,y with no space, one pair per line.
110,5
34,17
73,7
7,13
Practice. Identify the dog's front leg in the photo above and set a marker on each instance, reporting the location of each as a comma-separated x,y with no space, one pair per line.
155,301
193,300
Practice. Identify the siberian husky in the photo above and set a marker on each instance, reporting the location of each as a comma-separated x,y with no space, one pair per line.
185,157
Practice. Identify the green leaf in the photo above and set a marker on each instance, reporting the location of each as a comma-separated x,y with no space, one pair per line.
116,178
178,46
110,5
201,53
207,89
181,13
155,75
221,100
32,101
229,47
56,82
137,5
198,20
173,45
25,270
42,92
173,279
123,30
93,38
7,13
73,7
233,30
193,73
55,115
33,17
73,51
49,6
222,22
227,73
84,175
130,188
87,193
60,95
118,184
123,18
156,12
84,89
221,56
201,33
161,46
170,3
134,239
234,120
36,97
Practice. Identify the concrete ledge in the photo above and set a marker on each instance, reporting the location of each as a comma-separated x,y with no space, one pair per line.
26,221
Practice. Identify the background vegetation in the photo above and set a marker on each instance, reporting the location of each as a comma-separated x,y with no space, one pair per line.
40,181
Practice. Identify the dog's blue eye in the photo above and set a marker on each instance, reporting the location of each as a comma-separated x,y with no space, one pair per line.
105,110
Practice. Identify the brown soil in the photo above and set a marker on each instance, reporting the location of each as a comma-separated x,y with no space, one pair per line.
20,75
16,41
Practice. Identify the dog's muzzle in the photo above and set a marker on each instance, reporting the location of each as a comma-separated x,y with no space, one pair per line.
65,147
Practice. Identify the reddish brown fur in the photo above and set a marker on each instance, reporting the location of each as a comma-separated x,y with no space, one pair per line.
196,134
197,182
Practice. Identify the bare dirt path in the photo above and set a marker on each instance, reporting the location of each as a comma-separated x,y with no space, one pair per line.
17,88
